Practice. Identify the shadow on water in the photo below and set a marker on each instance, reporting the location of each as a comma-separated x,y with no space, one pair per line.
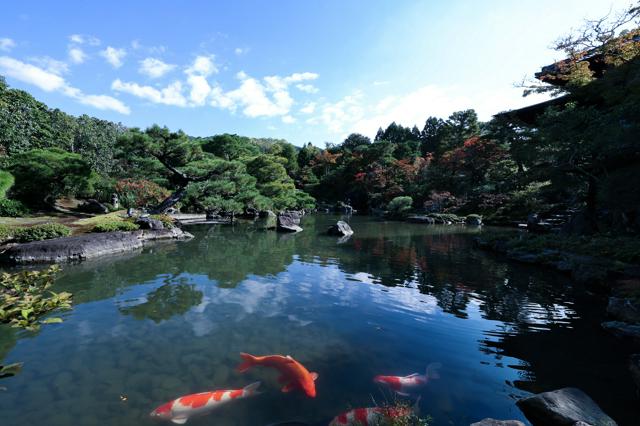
151,326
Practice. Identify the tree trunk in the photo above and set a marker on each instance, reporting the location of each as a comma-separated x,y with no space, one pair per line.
170,201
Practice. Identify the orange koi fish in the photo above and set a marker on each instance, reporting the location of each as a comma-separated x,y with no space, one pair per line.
198,404
292,374
407,385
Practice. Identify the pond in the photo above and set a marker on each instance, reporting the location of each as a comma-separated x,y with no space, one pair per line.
152,326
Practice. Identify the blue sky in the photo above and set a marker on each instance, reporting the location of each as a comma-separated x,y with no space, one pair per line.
300,70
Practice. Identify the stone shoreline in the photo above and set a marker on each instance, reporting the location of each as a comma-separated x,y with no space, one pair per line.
87,246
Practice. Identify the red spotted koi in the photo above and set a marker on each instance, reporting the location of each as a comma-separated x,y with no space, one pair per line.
292,374
180,410
407,385
371,416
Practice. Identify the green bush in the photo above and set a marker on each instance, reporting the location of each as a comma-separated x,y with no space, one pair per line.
6,182
166,220
115,225
45,231
6,233
12,208
400,206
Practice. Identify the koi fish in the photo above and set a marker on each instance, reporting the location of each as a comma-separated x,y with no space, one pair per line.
407,385
182,409
374,416
292,374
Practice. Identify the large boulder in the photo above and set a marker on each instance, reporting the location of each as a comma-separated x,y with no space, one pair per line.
93,206
340,229
563,407
145,222
86,246
289,222
473,220
624,309
267,220
494,422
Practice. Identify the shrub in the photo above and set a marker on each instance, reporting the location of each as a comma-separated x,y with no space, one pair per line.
400,206
6,182
6,233
166,220
45,231
139,193
115,225
12,208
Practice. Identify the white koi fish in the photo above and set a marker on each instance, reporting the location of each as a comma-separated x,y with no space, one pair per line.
406,385
199,404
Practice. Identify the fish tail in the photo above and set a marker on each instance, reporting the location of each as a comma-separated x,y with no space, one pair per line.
432,370
252,389
248,361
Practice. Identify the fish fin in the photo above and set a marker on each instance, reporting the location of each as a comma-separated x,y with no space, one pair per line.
413,375
403,393
252,389
416,406
289,387
432,371
248,362
314,376
179,420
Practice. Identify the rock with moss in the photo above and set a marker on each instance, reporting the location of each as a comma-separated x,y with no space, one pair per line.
267,220
473,220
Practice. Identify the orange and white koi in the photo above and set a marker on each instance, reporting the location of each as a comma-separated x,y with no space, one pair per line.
406,385
182,409
371,416
292,374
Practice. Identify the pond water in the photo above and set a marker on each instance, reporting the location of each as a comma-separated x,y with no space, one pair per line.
152,326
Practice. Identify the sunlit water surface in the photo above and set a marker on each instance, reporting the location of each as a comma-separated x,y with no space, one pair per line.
149,327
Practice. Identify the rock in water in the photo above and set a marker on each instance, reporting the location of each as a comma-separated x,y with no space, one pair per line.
562,407
622,330
634,366
148,223
421,219
624,309
494,422
289,222
340,229
267,220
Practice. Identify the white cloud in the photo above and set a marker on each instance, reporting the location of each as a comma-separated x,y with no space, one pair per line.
154,68
82,39
50,82
241,51
7,44
52,65
170,95
309,108
114,56
308,88
287,119
202,65
77,55
341,115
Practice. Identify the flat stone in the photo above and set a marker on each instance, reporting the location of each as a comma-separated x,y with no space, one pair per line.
86,246
494,422
562,407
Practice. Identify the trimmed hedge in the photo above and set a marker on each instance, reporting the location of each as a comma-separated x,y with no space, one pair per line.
115,225
45,231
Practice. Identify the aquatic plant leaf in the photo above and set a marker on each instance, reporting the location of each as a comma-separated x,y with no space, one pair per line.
54,320
10,369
